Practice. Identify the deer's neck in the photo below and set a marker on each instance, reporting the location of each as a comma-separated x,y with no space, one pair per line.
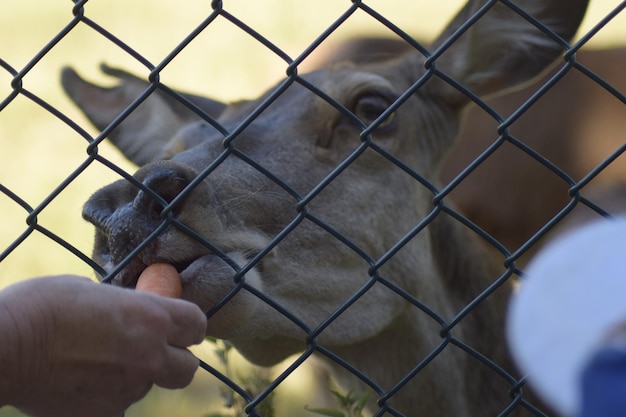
386,358
451,382
467,275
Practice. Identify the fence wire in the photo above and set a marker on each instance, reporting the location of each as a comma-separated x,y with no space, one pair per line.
253,396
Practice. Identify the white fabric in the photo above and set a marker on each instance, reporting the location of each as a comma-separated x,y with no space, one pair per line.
573,296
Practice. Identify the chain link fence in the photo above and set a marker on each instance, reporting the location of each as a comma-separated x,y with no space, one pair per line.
525,163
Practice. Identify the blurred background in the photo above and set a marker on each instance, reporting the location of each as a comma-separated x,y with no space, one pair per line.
38,151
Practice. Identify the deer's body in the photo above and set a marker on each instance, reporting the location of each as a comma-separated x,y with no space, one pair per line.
297,213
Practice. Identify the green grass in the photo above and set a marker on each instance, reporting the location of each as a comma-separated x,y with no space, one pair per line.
38,151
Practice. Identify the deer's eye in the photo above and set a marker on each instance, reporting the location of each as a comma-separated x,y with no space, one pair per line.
369,107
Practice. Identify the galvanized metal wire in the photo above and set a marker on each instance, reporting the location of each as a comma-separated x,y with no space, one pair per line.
301,202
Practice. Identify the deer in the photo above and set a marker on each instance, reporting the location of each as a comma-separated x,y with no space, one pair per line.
513,205
311,220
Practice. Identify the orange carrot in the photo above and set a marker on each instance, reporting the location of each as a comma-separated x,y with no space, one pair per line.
161,279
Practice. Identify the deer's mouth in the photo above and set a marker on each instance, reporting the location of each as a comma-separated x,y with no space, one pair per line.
182,265
193,269
128,275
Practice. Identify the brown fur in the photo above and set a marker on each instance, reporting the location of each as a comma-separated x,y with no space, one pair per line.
576,125
373,202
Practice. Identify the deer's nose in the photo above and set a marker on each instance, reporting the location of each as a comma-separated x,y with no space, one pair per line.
125,214
122,200
162,185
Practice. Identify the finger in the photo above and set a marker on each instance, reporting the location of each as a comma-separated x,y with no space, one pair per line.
188,324
178,370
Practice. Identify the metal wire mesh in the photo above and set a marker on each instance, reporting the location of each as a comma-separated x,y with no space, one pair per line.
303,202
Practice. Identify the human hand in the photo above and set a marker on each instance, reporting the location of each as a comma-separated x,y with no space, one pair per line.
71,347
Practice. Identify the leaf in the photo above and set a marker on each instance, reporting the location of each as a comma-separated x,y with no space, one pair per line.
345,401
325,411
361,400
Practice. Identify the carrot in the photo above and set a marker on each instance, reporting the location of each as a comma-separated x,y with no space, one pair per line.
161,279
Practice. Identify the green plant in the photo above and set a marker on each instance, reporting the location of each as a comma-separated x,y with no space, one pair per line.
350,405
253,381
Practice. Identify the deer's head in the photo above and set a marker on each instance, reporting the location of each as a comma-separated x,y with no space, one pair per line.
312,194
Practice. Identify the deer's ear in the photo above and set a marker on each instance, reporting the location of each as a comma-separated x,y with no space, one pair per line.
145,132
503,49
